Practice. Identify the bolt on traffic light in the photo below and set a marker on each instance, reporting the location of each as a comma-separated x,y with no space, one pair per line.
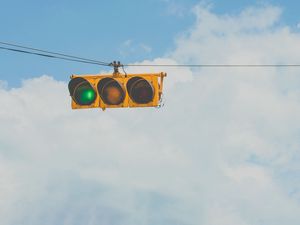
116,90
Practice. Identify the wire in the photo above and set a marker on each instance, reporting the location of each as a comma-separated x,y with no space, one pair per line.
53,53
52,56
214,65
124,70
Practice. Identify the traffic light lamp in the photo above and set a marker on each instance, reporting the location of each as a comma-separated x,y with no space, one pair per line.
140,90
82,91
116,90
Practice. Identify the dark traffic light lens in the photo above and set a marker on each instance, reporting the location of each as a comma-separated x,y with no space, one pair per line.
111,91
140,90
82,91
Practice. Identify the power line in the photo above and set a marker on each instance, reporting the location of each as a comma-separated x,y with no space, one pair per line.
56,55
53,53
214,65
52,56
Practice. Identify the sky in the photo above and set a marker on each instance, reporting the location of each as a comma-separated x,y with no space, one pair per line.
224,149
115,30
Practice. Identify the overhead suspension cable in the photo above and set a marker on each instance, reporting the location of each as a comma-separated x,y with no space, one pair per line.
213,65
53,54
56,55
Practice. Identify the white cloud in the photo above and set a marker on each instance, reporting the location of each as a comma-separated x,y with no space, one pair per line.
3,84
130,47
175,8
146,48
220,152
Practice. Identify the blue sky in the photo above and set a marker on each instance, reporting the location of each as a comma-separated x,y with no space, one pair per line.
224,149
111,30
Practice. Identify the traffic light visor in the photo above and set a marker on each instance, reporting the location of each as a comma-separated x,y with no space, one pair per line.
140,90
82,91
111,91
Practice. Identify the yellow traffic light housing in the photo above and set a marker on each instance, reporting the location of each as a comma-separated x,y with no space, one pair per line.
116,90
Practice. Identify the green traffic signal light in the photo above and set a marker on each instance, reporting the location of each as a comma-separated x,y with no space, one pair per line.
85,95
82,91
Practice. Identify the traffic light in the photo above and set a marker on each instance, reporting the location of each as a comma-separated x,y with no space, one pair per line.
116,90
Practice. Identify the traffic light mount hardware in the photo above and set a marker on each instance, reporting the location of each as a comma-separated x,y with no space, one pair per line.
117,65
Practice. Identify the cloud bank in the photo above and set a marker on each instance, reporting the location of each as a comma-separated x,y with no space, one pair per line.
224,150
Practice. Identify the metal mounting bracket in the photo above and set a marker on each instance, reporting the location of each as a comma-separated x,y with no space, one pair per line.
116,65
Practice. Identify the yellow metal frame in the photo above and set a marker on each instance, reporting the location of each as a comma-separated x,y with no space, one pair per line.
156,79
